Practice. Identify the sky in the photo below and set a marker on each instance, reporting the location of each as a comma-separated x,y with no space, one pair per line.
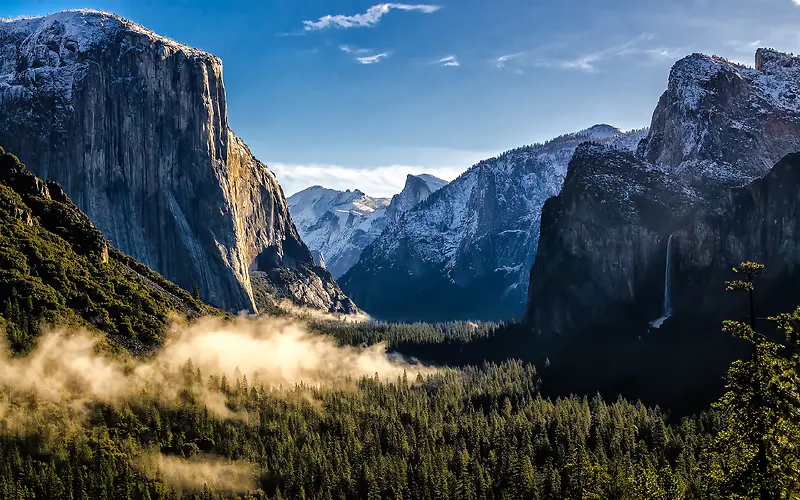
357,94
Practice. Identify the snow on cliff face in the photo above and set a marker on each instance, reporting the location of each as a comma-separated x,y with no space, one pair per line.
134,127
481,228
339,225
720,124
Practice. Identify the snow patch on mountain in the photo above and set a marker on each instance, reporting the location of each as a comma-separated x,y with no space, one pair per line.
338,225
433,183
725,124
40,56
515,185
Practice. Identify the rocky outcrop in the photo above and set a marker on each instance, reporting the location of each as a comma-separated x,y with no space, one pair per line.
134,126
603,242
417,189
465,252
719,125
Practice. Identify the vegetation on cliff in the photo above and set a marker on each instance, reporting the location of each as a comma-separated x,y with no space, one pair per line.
56,267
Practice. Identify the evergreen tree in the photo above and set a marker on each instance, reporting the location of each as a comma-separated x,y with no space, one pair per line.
759,444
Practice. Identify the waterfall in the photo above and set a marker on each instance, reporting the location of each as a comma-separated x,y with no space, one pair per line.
667,303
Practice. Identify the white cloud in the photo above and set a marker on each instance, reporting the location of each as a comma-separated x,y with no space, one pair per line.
589,62
349,49
502,60
372,59
369,18
450,61
378,181
742,49
584,63
664,53
361,56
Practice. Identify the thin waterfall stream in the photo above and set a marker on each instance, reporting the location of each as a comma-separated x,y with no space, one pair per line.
667,278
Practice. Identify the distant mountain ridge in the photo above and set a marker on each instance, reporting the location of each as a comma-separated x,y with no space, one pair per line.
465,252
338,225
134,127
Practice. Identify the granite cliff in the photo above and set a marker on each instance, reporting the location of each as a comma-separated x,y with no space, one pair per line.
604,262
134,127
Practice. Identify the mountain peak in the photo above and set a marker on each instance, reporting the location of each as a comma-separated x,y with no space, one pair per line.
85,28
431,181
771,61
601,131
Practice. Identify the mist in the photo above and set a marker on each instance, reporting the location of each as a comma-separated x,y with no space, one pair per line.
194,473
50,391
307,313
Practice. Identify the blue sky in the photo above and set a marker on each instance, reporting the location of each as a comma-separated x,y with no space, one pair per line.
356,94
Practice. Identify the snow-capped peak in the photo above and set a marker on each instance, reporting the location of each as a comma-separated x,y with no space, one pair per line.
84,27
600,132
481,230
715,125
434,183
340,224
771,61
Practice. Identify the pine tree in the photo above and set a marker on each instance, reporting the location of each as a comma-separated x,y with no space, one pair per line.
759,444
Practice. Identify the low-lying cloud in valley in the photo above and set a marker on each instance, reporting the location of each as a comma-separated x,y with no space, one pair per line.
50,391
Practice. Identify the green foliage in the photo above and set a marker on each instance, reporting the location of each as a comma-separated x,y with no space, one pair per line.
56,267
757,452
482,432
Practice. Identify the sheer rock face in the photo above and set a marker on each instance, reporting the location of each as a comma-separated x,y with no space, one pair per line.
759,222
134,126
465,252
417,189
718,126
602,241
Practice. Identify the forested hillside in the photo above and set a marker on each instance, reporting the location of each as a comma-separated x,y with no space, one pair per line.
55,266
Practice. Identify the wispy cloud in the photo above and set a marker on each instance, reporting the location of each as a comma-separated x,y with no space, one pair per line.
449,61
372,59
349,49
360,54
664,53
501,61
590,61
369,18
743,47
741,52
